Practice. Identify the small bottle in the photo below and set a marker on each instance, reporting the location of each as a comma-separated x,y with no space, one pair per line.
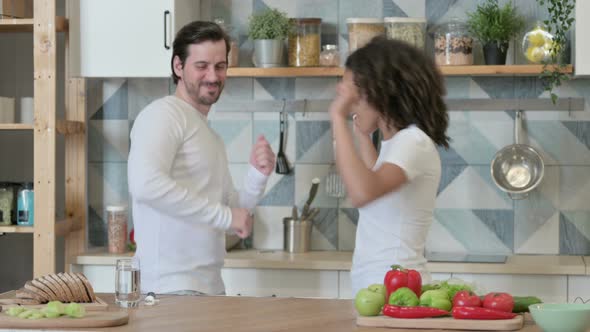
25,205
330,57
117,228
234,52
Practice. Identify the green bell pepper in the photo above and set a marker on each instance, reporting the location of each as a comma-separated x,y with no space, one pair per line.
404,297
436,299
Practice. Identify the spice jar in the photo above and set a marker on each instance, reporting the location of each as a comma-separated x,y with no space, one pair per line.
6,204
304,42
411,30
117,228
362,30
453,45
234,50
25,205
330,57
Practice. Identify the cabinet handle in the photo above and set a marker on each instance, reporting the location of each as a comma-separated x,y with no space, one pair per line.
166,19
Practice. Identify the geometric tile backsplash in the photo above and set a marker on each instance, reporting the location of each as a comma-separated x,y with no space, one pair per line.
471,214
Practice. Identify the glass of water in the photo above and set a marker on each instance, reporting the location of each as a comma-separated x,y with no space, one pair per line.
127,283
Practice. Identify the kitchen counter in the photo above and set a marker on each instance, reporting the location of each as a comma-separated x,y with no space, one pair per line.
225,313
342,261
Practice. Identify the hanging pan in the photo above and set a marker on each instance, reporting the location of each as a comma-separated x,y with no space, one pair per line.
517,169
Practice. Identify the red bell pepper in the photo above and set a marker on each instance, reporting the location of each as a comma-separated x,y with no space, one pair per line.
466,298
399,277
480,313
412,312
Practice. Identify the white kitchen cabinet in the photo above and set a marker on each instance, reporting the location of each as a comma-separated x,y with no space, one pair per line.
130,38
280,283
578,289
548,288
582,39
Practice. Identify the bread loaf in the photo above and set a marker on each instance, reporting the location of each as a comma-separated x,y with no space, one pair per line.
64,287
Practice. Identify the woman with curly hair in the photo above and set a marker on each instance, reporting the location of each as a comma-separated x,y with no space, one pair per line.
391,86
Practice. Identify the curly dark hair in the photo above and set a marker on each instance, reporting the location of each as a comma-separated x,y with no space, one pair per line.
195,33
403,84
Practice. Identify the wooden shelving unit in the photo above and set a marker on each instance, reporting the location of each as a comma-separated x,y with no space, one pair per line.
26,24
45,25
509,70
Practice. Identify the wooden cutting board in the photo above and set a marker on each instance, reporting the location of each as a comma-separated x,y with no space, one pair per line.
7,300
444,323
92,319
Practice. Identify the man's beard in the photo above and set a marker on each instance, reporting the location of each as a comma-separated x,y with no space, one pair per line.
209,99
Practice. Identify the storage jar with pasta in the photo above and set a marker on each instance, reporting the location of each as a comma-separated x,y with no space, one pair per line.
411,30
362,30
304,42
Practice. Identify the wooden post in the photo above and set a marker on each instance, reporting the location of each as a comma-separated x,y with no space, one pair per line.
76,159
44,44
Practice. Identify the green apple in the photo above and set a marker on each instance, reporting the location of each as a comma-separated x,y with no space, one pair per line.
370,300
379,288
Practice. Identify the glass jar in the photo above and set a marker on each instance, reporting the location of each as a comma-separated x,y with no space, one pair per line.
362,30
453,46
234,50
117,228
25,205
537,44
330,57
7,207
411,30
304,42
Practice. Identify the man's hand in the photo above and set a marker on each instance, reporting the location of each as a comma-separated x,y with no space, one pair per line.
241,222
262,157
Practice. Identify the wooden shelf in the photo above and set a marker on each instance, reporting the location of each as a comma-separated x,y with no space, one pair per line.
17,229
16,126
509,70
26,24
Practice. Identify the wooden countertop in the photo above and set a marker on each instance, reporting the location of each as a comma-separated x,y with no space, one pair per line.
342,261
224,313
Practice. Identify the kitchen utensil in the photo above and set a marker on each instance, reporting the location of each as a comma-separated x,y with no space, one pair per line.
334,185
517,169
294,213
282,162
312,214
315,183
442,323
296,235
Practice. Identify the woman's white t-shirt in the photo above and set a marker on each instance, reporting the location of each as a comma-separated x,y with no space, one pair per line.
393,228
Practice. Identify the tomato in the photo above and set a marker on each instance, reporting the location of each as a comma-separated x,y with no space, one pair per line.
499,301
132,236
466,298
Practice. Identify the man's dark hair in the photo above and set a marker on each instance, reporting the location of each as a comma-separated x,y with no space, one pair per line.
403,84
195,33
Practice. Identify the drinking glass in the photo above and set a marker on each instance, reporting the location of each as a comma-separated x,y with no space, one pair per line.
127,282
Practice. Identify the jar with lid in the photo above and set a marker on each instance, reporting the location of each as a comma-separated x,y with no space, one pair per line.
305,42
234,50
362,30
411,30
452,44
117,228
7,206
25,205
330,57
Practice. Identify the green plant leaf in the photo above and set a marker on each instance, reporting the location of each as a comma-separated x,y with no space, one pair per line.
269,24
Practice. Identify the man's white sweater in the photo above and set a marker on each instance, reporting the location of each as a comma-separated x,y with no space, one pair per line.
181,192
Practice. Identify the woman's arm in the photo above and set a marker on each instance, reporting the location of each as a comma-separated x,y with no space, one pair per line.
362,184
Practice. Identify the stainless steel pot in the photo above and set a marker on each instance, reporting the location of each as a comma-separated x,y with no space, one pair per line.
517,169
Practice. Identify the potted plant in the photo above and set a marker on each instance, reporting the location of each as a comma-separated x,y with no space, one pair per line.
268,29
495,26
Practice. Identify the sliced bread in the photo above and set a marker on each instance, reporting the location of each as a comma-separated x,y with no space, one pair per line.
88,286
81,286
